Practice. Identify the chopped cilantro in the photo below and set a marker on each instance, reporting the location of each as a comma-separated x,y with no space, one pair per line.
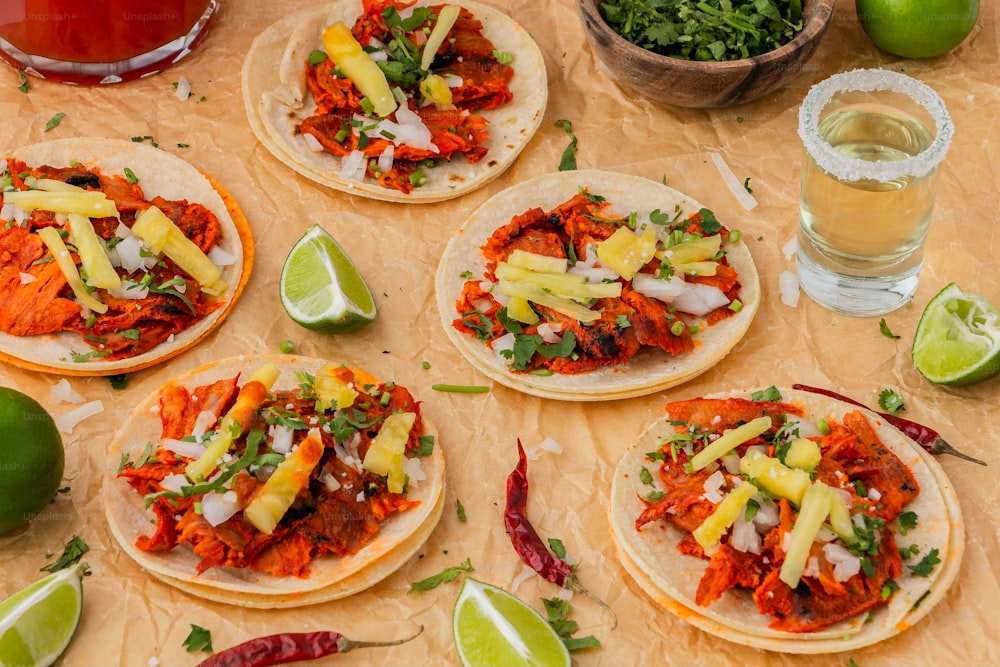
130,176
622,322
907,521
503,57
199,639
770,394
568,160
446,575
54,121
926,564
460,510
119,381
317,56
425,445
557,615
890,401
72,552
24,82
884,328
645,476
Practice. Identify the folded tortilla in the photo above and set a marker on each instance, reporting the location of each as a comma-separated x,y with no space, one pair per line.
276,100
398,538
170,177
648,371
651,557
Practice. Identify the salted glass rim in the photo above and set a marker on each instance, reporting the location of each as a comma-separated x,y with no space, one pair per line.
845,168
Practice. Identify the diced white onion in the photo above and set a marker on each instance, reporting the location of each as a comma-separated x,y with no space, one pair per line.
550,445
360,497
699,299
312,143
218,507
385,160
183,89
185,448
330,482
352,166
713,487
453,80
874,495
825,535
65,422
378,56
131,255
174,483
414,471
550,332
203,423
806,427
745,536
504,343
62,392
658,288
221,257
735,186
788,286
812,567
790,248
281,438
766,516
129,289
408,129
7,212
731,462
593,274
522,576
845,564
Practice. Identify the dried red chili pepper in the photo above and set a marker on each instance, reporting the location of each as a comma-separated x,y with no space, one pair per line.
925,436
529,545
290,647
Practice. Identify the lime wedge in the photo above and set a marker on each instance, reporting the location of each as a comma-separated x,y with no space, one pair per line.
958,338
38,622
492,627
321,289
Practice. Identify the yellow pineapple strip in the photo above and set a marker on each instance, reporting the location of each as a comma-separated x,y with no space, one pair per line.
332,385
445,20
93,258
161,235
270,501
91,203
813,512
730,439
385,454
348,55
718,522
775,477
60,253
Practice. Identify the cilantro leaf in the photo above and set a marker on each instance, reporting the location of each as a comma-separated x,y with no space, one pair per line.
199,639
890,401
926,564
770,394
444,576
54,121
72,552
557,616
907,522
568,161
884,328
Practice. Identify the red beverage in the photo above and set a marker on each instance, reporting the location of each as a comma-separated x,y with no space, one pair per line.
100,41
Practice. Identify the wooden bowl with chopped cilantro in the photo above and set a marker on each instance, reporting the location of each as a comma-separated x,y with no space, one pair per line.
695,53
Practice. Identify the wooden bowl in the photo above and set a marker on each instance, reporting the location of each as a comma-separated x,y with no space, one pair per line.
703,85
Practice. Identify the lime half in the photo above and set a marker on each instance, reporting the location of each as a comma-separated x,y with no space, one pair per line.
321,289
492,627
958,338
38,622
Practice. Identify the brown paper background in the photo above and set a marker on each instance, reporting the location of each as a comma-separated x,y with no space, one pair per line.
130,618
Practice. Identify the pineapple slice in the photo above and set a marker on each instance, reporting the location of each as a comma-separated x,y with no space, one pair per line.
840,518
252,394
626,252
730,439
775,477
445,20
436,89
812,513
270,501
50,236
560,304
385,454
333,387
520,309
90,247
568,285
91,203
803,453
160,234
541,263
718,522
347,54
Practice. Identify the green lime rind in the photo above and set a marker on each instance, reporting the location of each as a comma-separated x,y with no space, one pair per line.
321,288
493,628
38,622
957,341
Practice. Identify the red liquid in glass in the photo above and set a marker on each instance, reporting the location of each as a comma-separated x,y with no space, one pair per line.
100,41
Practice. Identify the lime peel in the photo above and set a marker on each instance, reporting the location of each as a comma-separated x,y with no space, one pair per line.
492,627
957,341
38,622
321,288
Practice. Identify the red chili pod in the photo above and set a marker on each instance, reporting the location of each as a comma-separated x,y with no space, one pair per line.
286,647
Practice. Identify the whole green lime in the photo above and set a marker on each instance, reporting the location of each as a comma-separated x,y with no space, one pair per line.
917,28
31,459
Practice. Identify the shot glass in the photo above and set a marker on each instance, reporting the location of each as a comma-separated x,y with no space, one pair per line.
99,42
874,140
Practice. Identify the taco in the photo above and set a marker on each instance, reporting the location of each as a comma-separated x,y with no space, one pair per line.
467,114
593,285
263,492
115,300
786,521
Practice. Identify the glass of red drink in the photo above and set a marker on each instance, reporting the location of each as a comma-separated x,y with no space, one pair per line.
100,41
